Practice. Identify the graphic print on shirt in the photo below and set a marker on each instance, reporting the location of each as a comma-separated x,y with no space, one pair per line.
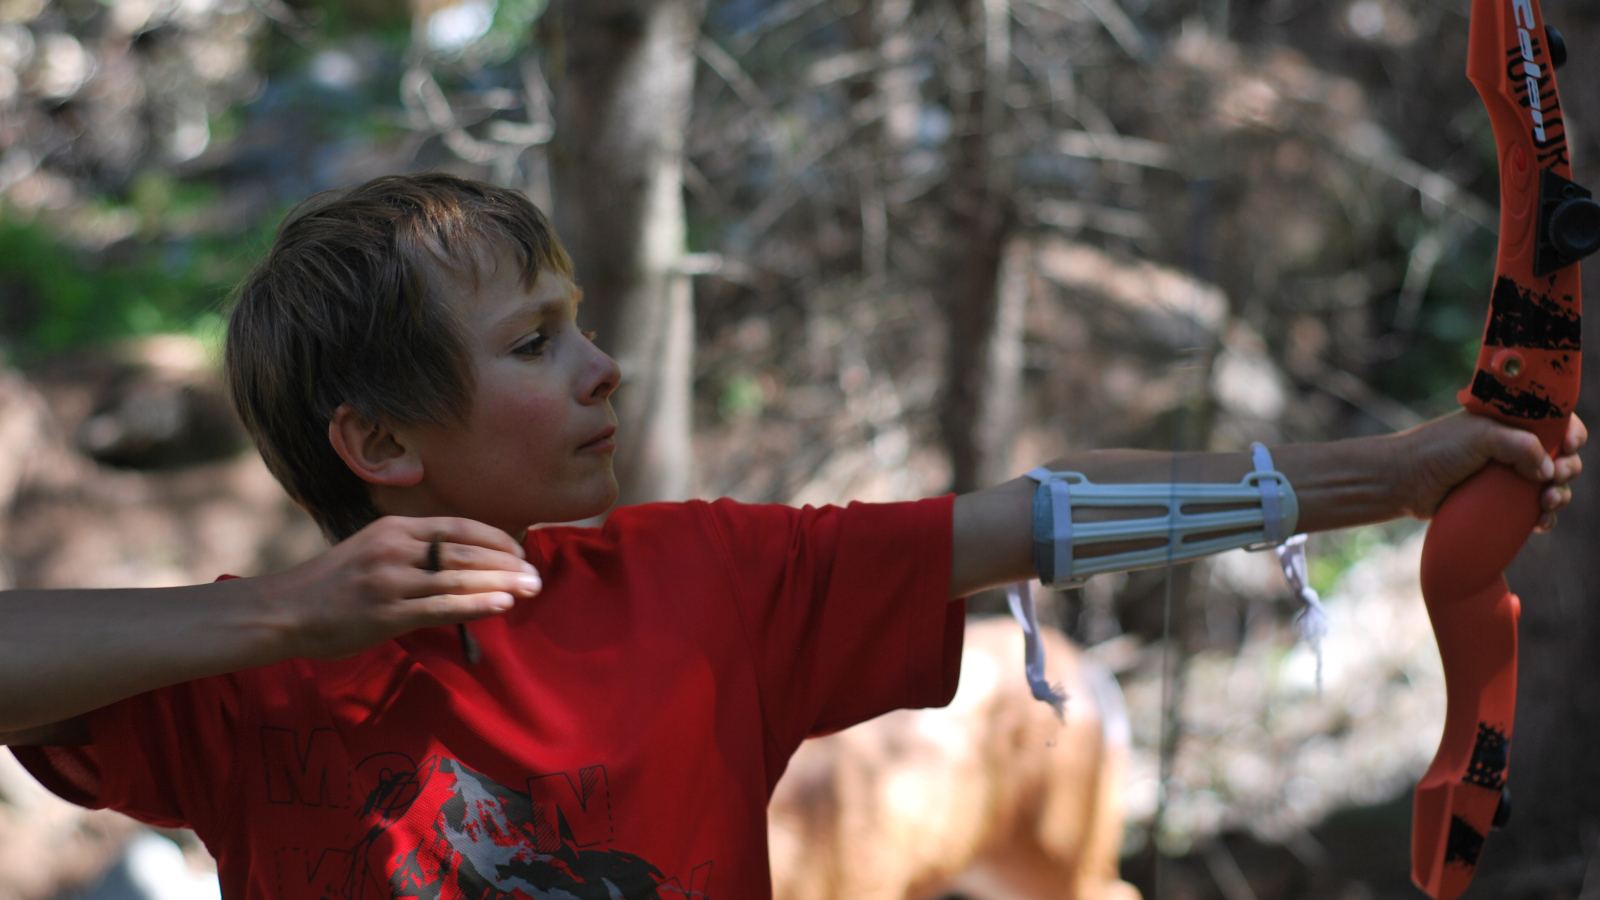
469,837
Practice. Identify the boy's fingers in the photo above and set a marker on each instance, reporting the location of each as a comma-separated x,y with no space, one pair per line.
446,609
468,556
1568,468
1555,497
422,583
1577,436
1522,451
464,531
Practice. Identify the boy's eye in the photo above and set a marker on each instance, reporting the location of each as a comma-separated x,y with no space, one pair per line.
533,346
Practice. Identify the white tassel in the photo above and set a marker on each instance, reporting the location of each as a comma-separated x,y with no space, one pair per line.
1312,622
1021,600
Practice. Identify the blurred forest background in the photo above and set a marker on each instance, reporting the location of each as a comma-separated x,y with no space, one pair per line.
849,249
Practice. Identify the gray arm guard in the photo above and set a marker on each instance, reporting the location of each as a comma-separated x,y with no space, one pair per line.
1271,518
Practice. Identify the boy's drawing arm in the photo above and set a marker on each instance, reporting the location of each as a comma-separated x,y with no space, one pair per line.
65,653
1339,484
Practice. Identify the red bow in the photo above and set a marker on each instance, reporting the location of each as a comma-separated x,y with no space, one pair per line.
1527,377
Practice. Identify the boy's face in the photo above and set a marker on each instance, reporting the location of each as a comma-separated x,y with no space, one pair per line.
537,444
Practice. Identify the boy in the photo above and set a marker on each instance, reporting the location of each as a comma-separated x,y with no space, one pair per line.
408,362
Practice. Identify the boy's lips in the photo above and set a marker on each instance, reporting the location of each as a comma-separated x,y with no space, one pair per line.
602,441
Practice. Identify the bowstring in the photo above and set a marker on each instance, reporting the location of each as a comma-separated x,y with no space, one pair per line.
1166,739
1200,194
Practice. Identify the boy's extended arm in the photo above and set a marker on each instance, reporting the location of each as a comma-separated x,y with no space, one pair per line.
64,653
1338,485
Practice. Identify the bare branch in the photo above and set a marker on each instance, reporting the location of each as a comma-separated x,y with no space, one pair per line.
1371,146
1352,390
1225,871
729,70
777,17
842,67
1113,148
779,201
1072,217
996,61
430,109
1121,28
1424,257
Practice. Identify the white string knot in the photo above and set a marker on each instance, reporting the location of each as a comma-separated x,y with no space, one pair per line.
1312,623
1021,599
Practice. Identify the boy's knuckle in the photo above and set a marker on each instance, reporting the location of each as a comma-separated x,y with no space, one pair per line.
375,584
391,545
384,618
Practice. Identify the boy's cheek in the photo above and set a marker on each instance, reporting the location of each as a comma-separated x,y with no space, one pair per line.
533,422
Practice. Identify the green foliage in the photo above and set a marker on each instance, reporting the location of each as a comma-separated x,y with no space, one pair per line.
172,274
1332,553
1439,357
55,296
511,29
164,202
742,398
226,125
388,22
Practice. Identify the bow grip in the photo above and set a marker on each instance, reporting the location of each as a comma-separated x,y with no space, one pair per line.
1477,531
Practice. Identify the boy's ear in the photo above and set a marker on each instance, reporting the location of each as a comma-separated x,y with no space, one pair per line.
372,450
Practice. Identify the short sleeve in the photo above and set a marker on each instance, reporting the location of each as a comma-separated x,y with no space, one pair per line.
847,608
157,756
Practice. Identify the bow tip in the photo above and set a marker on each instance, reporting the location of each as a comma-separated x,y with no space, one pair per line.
1450,823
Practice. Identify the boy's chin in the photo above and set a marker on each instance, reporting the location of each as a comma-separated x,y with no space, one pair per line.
606,496
586,510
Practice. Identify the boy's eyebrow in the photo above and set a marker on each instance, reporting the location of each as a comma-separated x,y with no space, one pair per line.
519,317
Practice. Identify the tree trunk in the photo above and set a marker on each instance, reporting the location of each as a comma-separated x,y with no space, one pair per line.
622,72
981,215
999,410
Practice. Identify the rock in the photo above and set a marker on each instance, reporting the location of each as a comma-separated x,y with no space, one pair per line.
161,405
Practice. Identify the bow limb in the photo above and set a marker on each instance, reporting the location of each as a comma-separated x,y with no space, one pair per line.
1527,376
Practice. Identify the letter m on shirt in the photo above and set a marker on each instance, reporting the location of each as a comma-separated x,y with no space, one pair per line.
307,772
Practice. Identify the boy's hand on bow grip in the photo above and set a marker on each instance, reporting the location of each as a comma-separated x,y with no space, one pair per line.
386,580
1447,451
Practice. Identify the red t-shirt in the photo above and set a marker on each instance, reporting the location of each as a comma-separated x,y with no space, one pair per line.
619,738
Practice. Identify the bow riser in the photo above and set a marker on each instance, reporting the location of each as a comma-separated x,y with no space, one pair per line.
1527,376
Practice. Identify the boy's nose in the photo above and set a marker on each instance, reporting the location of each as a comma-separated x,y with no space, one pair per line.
606,375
